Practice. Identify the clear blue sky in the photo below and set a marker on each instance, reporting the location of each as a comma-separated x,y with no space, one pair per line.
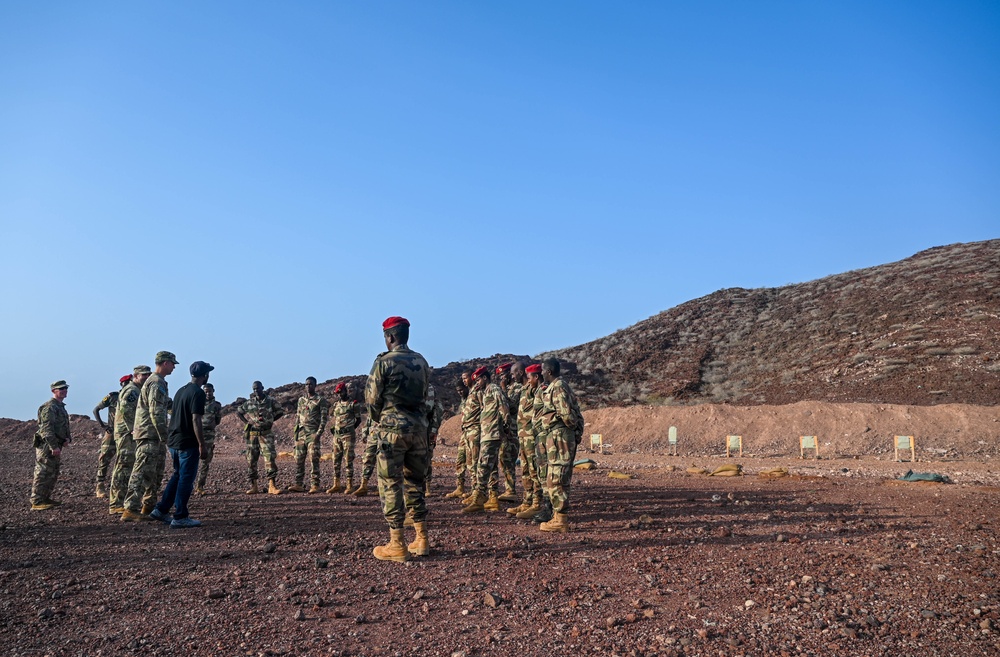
259,184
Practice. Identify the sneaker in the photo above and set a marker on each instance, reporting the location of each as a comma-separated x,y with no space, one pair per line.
156,514
184,523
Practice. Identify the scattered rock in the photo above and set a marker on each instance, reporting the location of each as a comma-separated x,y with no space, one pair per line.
216,594
269,548
491,600
300,615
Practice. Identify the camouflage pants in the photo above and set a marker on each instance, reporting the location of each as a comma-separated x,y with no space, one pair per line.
208,437
472,439
343,454
104,455
46,474
125,447
529,468
259,442
402,467
307,445
560,443
368,462
147,475
541,463
508,460
430,463
489,456
460,461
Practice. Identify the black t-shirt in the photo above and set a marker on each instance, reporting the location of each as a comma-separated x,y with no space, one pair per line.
189,400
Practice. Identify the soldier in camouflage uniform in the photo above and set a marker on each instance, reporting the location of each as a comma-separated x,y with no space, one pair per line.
150,434
346,415
106,452
258,414
368,437
128,401
509,446
541,456
494,417
209,421
51,435
435,415
311,415
462,457
395,395
471,434
563,423
532,501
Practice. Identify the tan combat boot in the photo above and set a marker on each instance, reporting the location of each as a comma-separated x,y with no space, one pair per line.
427,491
314,489
272,488
101,491
335,488
514,510
44,505
421,547
147,509
116,510
129,515
362,489
253,488
528,512
476,503
295,488
394,550
348,486
508,496
459,491
200,490
493,503
557,524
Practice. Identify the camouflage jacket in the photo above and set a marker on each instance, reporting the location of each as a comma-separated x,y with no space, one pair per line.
260,412
212,416
53,425
435,413
495,414
346,416
472,409
109,402
514,400
396,389
128,400
312,413
537,404
526,412
151,412
560,408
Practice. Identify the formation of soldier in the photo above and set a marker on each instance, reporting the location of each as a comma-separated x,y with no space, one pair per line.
529,414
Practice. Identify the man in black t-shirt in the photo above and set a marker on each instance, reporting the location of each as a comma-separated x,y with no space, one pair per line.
185,441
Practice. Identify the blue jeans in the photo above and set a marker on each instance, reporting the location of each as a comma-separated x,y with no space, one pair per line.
178,489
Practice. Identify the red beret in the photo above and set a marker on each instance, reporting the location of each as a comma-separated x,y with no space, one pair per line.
479,372
504,367
127,377
393,322
533,369
338,387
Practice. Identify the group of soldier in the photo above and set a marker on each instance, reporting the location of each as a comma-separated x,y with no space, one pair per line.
529,413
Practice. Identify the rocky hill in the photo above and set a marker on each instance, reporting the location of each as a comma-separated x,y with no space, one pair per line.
922,331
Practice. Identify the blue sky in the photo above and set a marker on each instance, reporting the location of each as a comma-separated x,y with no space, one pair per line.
259,184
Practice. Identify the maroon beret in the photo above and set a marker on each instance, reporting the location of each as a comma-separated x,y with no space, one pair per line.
533,369
393,322
479,372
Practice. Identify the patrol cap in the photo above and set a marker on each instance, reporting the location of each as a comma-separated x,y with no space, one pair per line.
479,372
199,368
393,322
59,385
166,357
141,369
127,377
534,368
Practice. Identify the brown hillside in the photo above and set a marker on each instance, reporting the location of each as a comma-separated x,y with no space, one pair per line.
922,331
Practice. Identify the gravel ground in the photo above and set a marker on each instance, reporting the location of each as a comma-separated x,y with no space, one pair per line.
837,559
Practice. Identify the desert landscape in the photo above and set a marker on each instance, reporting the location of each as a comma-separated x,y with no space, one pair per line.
837,557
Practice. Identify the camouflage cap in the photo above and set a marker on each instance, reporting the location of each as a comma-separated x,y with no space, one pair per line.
58,385
142,369
166,357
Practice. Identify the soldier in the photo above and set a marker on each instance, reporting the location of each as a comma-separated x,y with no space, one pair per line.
471,432
258,415
128,400
541,456
368,437
461,459
311,415
346,415
150,433
435,414
495,415
107,450
395,396
51,435
209,421
563,423
532,501
509,444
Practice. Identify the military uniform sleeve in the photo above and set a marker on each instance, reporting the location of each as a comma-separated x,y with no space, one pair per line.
159,404
373,391
276,409
46,427
324,414
563,406
217,411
